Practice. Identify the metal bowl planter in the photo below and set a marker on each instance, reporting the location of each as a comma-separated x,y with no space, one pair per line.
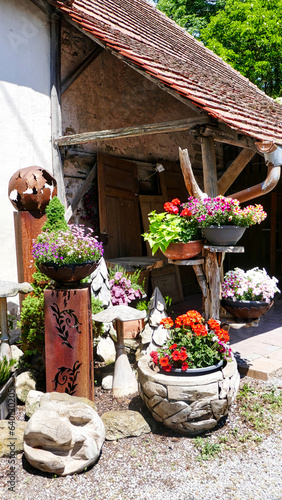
223,235
8,399
190,404
67,273
246,309
182,251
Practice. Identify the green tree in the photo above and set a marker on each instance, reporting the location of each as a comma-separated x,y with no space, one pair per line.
193,15
248,35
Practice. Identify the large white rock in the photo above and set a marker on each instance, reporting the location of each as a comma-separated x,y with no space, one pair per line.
63,437
106,350
24,383
32,402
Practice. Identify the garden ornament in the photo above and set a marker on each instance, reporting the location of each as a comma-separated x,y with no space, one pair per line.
124,382
8,289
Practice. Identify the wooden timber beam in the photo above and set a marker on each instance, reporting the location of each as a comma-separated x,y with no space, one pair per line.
222,133
209,166
80,68
236,167
56,115
153,128
86,185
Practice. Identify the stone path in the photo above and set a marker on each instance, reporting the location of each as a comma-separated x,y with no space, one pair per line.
258,349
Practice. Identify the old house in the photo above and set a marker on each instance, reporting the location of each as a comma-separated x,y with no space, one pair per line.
105,92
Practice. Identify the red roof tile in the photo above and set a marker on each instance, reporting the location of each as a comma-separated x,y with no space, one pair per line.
143,35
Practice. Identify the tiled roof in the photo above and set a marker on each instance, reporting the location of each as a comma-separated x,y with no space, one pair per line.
141,34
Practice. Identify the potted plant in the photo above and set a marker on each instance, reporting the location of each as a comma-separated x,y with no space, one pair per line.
248,294
175,232
7,387
182,382
222,220
65,253
126,290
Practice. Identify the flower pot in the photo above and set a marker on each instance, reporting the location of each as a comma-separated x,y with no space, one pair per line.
246,309
8,399
182,251
67,273
189,404
194,371
223,235
131,329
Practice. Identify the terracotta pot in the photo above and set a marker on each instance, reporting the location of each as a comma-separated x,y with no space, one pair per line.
246,309
67,273
223,235
182,251
131,329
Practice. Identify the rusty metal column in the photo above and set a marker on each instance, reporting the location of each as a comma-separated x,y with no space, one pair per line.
68,341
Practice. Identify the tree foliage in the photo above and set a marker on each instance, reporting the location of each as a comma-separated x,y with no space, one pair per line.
248,35
245,33
193,15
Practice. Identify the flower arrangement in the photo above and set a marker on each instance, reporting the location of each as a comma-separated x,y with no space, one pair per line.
254,284
193,343
124,287
221,211
71,246
61,243
175,225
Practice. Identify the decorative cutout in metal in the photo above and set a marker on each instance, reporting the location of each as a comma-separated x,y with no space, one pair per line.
67,376
64,319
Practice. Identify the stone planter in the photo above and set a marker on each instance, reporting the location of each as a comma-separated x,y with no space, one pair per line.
246,309
189,404
67,273
8,399
223,235
182,251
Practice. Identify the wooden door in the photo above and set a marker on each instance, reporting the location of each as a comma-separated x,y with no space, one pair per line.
118,206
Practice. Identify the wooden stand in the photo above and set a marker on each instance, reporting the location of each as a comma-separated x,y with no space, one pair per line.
209,273
68,341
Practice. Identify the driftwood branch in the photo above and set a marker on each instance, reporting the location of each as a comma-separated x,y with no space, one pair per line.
189,178
86,185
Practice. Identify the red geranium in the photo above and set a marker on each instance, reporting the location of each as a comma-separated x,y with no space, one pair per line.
170,208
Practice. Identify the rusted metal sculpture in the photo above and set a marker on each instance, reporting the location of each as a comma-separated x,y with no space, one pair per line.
31,189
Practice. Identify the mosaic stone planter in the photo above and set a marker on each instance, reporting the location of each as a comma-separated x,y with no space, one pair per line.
189,404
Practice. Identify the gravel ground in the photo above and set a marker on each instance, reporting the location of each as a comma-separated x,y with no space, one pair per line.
240,460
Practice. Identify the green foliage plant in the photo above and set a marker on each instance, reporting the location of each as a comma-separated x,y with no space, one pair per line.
32,316
55,213
175,225
5,369
97,306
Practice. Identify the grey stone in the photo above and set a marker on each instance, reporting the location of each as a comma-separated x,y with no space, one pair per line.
151,389
181,416
122,424
106,350
24,384
165,409
11,444
32,402
63,437
192,393
123,313
219,408
160,335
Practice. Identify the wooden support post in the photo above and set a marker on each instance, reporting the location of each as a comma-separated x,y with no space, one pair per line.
212,272
56,118
209,166
189,179
70,210
236,167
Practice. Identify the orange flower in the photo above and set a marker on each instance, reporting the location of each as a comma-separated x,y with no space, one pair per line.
176,355
195,316
214,325
222,335
182,355
164,362
166,322
173,346
199,330
184,366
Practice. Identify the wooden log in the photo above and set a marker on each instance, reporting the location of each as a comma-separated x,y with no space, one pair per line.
153,128
212,272
56,116
236,167
189,179
209,166
70,210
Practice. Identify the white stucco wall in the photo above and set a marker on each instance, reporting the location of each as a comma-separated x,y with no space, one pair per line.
25,131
